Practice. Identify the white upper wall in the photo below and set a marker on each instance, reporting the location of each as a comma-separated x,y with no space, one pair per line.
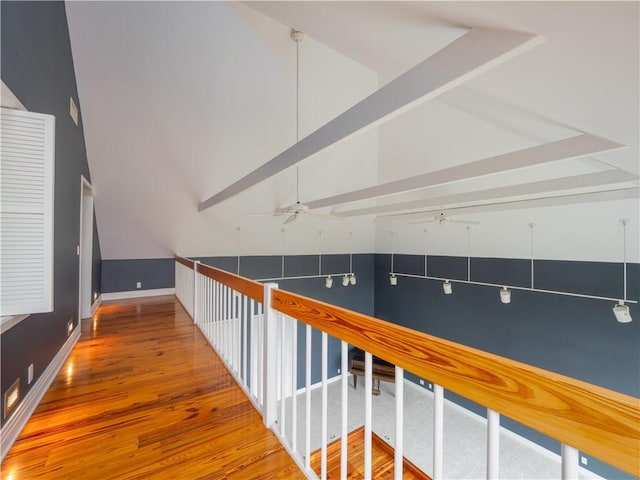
181,99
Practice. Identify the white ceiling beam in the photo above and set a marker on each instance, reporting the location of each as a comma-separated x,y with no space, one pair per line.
565,149
588,180
473,53
497,206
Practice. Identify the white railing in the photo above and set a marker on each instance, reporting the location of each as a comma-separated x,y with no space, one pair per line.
261,333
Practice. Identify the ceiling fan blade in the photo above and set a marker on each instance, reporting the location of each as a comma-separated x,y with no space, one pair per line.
325,215
290,219
466,222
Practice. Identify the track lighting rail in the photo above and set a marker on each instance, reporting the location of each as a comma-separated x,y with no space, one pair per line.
301,277
514,287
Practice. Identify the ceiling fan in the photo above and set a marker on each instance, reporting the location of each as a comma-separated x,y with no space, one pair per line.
443,218
298,209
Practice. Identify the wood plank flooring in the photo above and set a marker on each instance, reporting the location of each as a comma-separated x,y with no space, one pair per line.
381,454
143,395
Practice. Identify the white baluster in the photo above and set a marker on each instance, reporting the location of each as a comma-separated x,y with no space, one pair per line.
368,387
438,431
569,462
294,385
398,457
283,387
323,462
244,341
307,398
344,357
493,445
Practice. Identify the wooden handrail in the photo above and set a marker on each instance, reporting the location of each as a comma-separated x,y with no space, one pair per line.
250,288
185,261
600,422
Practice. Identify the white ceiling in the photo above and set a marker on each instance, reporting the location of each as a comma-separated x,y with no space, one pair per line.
180,100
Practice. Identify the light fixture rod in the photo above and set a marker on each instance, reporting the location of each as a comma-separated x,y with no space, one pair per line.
320,254
391,233
624,257
468,253
513,287
426,252
531,225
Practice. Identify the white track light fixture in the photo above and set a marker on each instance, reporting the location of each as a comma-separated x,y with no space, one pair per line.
345,281
393,279
328,282
352,279
447,287
621,311
505,295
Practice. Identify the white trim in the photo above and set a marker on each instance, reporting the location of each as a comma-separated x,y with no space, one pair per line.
85,240
10,321
138,294
19,419
8,99
96,305
514,436
319,384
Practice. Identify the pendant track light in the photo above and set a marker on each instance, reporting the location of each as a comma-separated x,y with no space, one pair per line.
505,295
621,311
328,282
345,281
447,287
393,279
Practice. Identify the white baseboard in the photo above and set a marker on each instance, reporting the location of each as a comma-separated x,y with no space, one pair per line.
96,305
319,384
137,294
18,420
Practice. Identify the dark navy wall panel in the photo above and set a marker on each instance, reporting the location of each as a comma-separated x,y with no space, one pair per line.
507,271
123,275
37,66
577,337
591,278
447,267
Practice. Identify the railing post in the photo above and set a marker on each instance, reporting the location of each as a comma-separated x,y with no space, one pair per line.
270,359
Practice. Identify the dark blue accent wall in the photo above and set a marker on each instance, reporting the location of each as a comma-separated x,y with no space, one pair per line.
37,66
577,337
123,275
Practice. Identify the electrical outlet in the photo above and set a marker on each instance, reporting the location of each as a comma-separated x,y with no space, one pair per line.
138,284
584,460
70,326
422,382
30,374
430,386
338,371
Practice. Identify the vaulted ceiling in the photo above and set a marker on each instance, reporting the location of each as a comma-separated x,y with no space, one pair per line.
181,100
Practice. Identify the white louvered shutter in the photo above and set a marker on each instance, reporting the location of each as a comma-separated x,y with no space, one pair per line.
26,212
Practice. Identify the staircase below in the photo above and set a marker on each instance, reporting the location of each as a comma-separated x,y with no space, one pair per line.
381,459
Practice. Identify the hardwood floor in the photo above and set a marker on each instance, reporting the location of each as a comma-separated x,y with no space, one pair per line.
381,454
143,395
